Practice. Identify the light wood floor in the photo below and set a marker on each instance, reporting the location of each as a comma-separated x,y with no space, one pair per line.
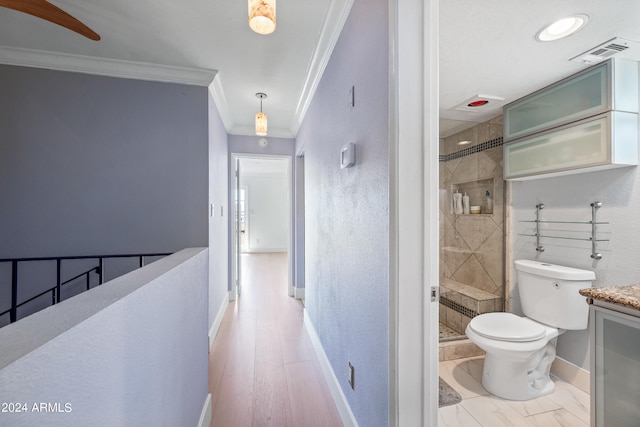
263,370
567,406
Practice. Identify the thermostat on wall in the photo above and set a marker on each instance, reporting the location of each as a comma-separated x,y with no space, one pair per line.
348,155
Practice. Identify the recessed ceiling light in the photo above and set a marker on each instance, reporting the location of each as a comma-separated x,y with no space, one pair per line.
463,143
562,28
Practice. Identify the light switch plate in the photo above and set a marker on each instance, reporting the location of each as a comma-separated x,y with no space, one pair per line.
347,155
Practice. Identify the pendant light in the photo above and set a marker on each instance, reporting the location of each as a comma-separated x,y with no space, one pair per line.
261,118
262,16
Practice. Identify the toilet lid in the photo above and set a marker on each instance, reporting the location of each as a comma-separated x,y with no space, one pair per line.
506,327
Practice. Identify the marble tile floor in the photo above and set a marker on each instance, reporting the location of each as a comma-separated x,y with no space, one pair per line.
567,406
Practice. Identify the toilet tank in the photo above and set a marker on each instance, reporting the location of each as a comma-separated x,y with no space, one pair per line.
549,293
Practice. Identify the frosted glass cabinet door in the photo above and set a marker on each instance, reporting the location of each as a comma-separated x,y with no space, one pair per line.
617,369
563,149
602,142
611,85
583,95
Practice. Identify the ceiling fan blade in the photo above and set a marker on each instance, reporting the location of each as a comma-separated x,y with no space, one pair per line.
45,10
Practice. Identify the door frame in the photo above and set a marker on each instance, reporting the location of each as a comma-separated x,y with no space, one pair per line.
414,175
236,263
246,219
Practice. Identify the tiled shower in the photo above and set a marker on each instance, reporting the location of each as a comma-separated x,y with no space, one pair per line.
471,245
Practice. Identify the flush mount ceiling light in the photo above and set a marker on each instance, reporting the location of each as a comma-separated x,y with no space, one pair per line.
262,16
562,28
261,118
479,103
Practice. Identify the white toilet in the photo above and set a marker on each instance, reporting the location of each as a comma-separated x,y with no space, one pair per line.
520,350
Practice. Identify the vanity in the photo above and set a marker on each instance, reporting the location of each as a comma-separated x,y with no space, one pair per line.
614,328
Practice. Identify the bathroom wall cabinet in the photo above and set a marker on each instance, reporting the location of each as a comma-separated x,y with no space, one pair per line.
602,142
615,366
586,122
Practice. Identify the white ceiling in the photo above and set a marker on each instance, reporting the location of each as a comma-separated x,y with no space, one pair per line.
487,47
190,41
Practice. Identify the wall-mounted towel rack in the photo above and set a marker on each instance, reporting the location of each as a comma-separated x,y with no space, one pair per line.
593,238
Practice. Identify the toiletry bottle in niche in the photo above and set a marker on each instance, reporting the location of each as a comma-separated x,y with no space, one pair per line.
488,202
465,204
457,203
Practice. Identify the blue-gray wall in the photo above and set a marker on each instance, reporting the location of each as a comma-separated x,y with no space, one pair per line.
100,165
299,222
347,211
218,214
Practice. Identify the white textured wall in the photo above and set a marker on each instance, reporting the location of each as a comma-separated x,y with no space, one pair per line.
132,352
568,199
269,213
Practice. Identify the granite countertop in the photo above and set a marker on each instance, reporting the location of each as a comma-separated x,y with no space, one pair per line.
626,296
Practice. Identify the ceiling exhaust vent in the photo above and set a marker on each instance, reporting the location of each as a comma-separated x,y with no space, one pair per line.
619,47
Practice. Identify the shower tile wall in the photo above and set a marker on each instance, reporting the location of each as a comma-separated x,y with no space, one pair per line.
471,246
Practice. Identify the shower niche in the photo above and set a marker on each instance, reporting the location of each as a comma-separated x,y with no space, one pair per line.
480,193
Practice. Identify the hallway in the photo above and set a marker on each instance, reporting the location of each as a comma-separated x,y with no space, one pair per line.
263,370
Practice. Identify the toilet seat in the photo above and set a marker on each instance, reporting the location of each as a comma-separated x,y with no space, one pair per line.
507,327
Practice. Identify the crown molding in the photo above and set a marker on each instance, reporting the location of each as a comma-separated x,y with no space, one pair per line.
105,66
220,99
334,22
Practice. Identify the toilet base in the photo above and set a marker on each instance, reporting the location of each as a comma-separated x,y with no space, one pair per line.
519,379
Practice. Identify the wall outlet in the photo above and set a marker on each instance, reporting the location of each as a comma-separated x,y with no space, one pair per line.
352,376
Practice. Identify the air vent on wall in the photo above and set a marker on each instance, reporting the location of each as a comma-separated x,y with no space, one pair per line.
619,47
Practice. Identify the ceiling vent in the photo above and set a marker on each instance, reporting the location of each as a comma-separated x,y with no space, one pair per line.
618,47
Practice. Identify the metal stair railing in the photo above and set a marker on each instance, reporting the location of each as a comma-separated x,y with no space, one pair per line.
56,290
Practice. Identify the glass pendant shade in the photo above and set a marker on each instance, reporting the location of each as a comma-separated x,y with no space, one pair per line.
261,124
262,16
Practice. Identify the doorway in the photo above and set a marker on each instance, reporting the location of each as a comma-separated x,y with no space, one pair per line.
262,212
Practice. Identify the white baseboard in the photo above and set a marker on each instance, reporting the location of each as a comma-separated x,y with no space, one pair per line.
572,374
205,415
332,381
299,293
217,321
232,295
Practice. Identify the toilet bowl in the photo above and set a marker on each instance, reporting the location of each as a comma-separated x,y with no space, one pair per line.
520,349
519,353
